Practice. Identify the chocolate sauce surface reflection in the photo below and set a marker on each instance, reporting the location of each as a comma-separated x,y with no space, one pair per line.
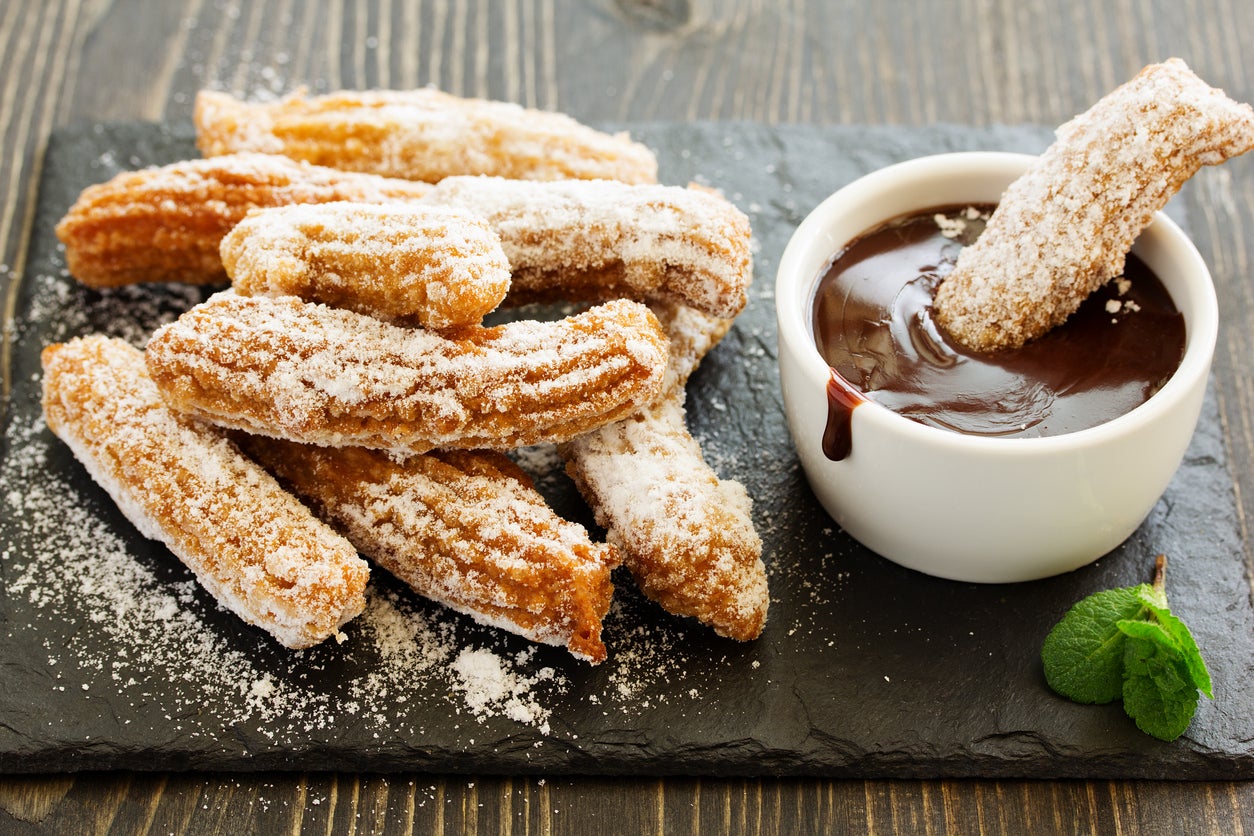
873,324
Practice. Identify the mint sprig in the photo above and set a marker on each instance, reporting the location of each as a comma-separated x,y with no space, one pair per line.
1126,644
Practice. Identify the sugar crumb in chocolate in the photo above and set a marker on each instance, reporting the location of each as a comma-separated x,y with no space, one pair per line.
950,227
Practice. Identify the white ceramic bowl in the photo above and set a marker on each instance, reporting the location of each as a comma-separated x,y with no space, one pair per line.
976,508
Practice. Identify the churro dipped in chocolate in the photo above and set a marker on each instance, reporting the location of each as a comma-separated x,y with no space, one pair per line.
1064,228
166,224
409,264
290,369
419,135
599,240
249,542
465,528
686,536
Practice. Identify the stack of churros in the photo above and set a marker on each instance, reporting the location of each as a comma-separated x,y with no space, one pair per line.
365,237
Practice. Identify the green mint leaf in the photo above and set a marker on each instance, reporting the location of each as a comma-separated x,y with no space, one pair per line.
1125,643
1152,596
1084,654
1149,631
1184,640
1158,689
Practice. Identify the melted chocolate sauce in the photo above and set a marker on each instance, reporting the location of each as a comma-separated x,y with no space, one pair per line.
838,434
873,324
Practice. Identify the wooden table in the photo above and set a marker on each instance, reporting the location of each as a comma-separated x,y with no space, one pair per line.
65,62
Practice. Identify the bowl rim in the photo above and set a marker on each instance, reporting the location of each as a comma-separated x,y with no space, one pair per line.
796,332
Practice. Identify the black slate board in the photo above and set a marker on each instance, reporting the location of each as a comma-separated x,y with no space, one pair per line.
113,658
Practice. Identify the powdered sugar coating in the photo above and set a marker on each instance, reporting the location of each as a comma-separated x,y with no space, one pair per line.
465,528
690,334
250,543
1064,228
599,240
290,369
166,223
422,265
687,536
419,135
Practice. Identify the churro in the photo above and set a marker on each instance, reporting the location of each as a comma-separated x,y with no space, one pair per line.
686,536
290,369
465,528
690,335
250,543
600,240
1064,228
419,135
166,223
408,264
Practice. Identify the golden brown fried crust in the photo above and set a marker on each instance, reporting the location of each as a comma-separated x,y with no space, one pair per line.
291,369
465,528
687,536
250,543
404,263
166,224
597,240
419,135
1064,228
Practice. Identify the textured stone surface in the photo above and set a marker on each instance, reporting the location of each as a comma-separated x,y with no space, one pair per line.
112,658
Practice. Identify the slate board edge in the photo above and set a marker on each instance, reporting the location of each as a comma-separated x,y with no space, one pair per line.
1193,767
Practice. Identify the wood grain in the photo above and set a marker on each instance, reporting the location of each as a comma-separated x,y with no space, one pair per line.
969,61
